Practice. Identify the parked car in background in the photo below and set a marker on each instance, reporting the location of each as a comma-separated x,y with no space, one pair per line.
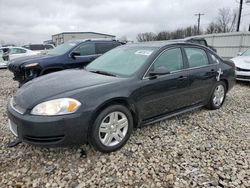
39,47
72,54
242,63
199,40
127,87
9,53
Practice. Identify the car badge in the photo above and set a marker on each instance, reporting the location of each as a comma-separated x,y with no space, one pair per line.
219,74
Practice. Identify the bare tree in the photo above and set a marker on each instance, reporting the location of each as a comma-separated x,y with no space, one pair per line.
226,20
149,36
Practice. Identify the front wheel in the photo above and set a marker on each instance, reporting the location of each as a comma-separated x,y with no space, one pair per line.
111,129
218,96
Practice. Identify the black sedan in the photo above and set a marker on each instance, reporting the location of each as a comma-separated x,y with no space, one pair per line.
130,86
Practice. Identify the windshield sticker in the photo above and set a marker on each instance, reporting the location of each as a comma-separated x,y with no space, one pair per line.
144,52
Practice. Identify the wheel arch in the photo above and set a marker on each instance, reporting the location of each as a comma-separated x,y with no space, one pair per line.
121,101
226,82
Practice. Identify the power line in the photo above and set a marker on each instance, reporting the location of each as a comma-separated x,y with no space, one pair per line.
199,21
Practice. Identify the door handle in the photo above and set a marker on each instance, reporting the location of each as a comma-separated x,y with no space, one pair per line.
182,78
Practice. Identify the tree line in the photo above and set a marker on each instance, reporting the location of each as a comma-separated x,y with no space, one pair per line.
223,23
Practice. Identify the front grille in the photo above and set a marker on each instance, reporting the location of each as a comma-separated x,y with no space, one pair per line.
16,107
243,77
44,139
244,70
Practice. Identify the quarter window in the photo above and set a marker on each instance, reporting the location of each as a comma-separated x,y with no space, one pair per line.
170,59
215,60
86,49
196,57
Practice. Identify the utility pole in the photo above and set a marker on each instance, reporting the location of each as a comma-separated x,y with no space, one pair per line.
239,16
199,21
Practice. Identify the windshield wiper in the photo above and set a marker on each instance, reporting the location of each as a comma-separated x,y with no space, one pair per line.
103,72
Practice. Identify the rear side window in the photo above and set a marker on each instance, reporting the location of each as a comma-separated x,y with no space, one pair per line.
170,59
102,47
196,57
85,49
36,47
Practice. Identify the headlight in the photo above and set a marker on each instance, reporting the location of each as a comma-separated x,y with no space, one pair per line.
56,107
31,65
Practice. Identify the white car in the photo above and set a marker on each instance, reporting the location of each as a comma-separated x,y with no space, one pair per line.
9,53
242,63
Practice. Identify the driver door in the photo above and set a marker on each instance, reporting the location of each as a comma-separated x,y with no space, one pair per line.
166,93
86,53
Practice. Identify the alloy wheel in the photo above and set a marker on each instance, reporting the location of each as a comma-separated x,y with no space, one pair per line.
113,128
219,95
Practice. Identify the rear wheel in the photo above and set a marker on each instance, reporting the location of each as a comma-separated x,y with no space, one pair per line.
111,129
218,96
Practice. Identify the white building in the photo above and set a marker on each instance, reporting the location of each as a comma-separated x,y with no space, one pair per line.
228,44
60,38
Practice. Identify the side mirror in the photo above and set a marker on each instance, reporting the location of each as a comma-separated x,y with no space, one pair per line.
239,53
159,71
74,54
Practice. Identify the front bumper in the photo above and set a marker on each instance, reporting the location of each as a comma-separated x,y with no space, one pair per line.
56,131
3,65
243,75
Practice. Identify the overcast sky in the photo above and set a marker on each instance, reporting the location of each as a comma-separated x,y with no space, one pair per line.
33,21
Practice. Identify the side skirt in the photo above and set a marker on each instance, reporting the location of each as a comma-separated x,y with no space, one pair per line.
169,115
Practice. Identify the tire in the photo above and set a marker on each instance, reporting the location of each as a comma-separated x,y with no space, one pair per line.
107,134
214,104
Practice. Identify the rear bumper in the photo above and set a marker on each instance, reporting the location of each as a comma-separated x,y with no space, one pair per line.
57,131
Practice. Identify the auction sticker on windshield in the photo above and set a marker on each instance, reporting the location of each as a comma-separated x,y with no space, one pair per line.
144,52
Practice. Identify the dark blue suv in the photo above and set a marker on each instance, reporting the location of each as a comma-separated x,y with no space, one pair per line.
72,54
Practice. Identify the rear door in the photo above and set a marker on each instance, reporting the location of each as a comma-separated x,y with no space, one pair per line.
164,94
202,74
87,53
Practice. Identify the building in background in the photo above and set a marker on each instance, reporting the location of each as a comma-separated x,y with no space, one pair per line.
60,38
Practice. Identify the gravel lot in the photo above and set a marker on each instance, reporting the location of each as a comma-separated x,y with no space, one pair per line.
199,149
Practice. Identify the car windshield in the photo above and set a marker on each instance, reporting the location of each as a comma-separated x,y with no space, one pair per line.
62,49
121,61
246,53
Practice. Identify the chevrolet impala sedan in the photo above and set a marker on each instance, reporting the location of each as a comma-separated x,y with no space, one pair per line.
130,86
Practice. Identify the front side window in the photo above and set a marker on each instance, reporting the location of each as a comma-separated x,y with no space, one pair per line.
85,49
196,57
170,59
62,49
122,61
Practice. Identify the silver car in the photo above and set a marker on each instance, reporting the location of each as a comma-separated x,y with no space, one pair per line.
242,63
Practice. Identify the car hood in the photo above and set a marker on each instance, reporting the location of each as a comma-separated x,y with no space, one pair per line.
32,59
51,85
242,62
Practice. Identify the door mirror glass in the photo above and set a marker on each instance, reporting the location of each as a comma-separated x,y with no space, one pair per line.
159,71
74,54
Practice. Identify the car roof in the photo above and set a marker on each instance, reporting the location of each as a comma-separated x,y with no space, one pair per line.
159,44
93,39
